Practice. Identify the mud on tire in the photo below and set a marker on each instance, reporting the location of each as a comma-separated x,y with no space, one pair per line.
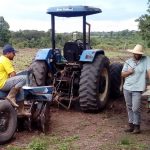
8,121
94,84
40,72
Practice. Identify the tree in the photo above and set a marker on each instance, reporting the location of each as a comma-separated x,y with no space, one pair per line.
144,25
4,31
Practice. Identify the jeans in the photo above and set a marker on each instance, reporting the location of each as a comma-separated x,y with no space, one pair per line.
16,81
133,104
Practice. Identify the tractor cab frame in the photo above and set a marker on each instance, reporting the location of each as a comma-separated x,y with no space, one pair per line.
71,11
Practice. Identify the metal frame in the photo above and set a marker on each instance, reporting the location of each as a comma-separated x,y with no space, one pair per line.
71,11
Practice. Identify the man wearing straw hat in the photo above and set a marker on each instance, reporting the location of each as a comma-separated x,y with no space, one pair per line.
134,71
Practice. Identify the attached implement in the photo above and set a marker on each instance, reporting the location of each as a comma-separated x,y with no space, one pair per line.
37,102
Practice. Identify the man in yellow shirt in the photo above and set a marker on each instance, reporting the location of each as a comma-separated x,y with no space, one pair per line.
8,79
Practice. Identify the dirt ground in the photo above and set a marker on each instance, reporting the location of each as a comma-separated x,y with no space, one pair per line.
85,131
101,131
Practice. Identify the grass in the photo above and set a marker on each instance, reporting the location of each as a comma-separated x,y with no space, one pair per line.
127,142
55,142
52,142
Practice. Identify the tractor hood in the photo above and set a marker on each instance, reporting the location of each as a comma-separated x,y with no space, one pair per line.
73,11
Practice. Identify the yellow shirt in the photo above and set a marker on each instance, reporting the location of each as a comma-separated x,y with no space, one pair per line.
6,68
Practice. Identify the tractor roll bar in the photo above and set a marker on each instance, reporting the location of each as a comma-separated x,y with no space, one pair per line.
71,11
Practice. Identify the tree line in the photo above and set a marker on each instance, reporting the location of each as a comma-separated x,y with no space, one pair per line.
41,39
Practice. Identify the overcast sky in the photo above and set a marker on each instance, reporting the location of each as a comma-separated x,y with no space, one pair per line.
31,14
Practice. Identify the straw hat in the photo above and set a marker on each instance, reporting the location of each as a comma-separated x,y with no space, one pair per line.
138,49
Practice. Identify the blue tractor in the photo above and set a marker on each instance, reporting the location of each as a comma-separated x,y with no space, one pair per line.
81,74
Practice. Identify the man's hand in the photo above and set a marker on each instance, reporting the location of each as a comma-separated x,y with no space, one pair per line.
12,74
131,71
127,73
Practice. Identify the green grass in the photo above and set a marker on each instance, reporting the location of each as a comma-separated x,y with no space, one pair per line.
52,142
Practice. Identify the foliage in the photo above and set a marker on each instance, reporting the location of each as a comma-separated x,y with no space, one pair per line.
13,148
30,38
4,31
144,25
99,40
52,142
115,40
38,144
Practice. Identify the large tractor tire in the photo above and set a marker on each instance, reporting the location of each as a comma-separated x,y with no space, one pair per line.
94,85
40,72
8,121
116,88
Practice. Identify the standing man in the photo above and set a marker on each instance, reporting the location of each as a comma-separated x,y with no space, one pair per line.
134,71
8,79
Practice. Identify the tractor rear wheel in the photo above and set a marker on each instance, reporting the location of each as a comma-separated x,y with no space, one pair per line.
8,121
94,84
116,88
40,72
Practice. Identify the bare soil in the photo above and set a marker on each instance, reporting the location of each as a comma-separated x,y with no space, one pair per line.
101,131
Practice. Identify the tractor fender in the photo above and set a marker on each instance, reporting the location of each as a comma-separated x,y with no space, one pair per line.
89,55
46,55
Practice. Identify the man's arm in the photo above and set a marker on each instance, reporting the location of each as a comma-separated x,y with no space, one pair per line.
127,73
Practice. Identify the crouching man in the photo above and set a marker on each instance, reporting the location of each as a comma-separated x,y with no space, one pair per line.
9,81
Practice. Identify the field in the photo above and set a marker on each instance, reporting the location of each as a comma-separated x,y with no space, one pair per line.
75,130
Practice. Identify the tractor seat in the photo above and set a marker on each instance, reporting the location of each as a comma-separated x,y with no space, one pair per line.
72,51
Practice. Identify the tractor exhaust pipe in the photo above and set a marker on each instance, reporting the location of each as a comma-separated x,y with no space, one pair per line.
89,34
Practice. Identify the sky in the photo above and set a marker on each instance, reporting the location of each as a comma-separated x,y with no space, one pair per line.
116,15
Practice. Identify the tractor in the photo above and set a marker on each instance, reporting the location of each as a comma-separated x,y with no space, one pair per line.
77,72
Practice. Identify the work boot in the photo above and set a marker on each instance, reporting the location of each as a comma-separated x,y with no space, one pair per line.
130,128
11,97
136,129
21,110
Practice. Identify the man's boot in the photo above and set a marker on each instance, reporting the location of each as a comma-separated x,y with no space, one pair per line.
130,128
136,129
21,110
11,97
